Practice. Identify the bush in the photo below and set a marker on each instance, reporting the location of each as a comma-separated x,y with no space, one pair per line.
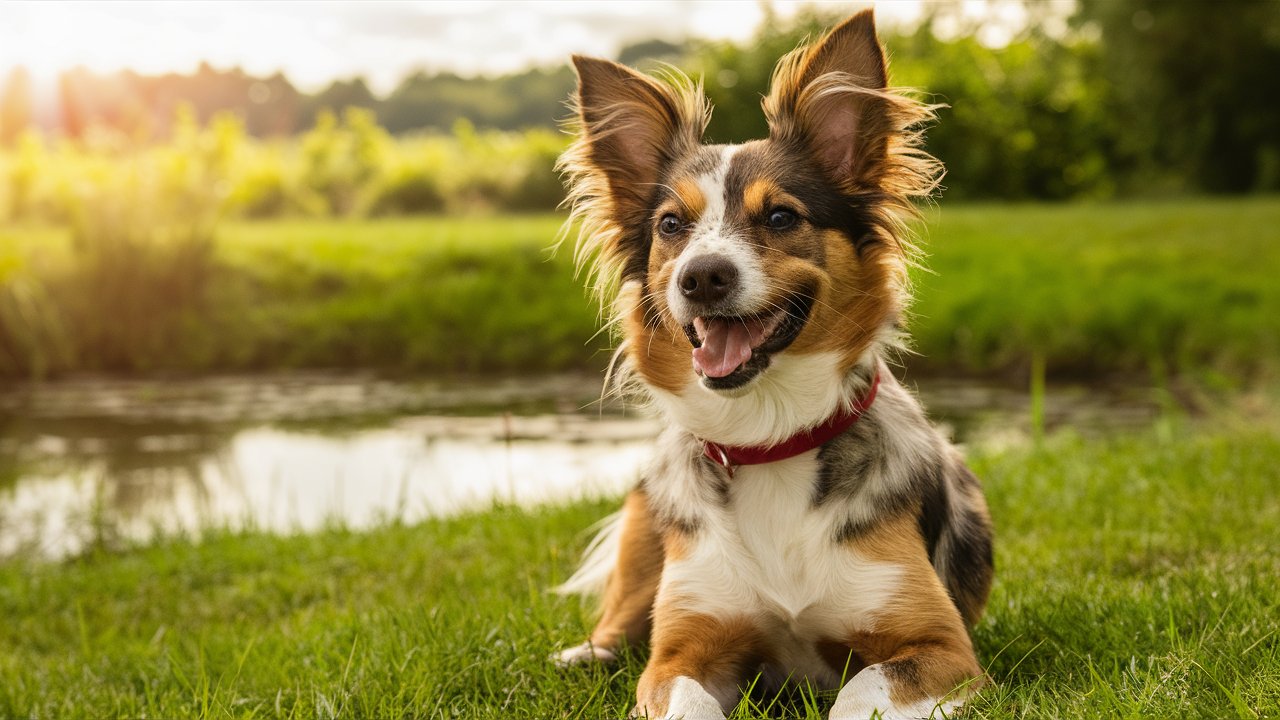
341,168
143,234
407,190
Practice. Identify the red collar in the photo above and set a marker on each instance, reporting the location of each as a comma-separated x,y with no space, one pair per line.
731,456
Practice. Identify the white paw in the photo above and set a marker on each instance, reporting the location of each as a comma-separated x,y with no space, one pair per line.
866,696
581,654
690,701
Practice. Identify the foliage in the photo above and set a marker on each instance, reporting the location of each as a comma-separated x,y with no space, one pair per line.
33,336
444,295
338,162
533,98
142,234
1195,88
1136,97
1140,97
1119,593
341,167
1020,121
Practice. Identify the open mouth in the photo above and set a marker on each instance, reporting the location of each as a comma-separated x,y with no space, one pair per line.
728,351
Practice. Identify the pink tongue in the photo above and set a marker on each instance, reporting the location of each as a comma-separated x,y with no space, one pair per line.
726,344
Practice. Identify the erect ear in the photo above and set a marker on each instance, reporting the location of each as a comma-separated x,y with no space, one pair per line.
632,126
830,97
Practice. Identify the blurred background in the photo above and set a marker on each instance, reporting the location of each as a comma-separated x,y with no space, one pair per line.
281,265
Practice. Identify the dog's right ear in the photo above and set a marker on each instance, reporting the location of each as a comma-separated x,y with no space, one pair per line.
631,127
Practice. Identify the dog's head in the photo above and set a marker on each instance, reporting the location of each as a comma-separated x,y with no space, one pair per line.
731,261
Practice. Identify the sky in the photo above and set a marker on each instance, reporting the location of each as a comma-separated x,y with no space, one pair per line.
314,43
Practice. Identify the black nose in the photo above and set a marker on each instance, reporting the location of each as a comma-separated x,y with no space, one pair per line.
708,278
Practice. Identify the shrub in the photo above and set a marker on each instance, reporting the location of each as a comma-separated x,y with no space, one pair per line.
407,190
341,167
143,232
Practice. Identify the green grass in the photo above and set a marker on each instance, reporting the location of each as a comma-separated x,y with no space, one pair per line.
445,294
1142,286
1136,577
1158,288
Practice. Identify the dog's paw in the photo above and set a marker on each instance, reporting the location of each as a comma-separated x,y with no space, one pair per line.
583,654
686,700
867,696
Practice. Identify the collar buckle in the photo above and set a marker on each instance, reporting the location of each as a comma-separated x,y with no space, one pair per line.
716,453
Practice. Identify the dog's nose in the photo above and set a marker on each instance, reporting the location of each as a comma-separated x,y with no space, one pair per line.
708,278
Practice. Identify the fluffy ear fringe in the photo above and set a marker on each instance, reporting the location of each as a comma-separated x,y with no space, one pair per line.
903,173
594,219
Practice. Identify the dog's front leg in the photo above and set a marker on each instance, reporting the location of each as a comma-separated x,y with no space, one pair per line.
918,683
920,660
629,592
696,666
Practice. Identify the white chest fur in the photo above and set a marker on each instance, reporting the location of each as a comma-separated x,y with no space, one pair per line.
781,537
770,554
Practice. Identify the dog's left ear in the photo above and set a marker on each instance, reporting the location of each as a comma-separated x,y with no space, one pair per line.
829,97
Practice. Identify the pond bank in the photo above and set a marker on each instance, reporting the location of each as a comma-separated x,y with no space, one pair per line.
116,462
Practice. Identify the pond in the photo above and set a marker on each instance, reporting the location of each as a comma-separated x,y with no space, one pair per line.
114,461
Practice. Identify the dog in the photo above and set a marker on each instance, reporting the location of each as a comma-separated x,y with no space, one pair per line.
800,518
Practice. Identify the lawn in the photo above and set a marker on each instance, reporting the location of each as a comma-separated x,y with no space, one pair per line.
1138,287
1136,577
1154,288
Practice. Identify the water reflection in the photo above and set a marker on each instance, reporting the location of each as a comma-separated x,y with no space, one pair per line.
112,462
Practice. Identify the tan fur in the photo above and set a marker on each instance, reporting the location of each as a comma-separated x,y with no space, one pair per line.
764,194
675,545
716,652
660,354
631,588
690,198
860,300
922,625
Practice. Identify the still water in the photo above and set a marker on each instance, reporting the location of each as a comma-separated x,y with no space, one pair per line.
114,462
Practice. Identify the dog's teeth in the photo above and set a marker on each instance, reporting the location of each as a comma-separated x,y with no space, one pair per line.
700,329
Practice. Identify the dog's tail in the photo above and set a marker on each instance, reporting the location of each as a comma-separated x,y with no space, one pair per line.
598,560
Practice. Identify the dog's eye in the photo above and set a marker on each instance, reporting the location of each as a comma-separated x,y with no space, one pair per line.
669,224
780,219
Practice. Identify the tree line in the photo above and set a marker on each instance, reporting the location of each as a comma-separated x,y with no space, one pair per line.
1137,97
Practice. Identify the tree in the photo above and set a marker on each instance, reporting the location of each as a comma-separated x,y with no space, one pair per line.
1196,87
340,95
